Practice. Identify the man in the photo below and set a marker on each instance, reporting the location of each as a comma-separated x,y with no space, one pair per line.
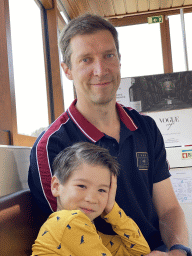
91,59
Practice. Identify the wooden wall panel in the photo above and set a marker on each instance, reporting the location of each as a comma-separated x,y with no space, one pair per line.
5,138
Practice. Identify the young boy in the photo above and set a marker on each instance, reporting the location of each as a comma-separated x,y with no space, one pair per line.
84,184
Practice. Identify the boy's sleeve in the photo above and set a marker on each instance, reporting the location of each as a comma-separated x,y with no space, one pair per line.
81,238
129,239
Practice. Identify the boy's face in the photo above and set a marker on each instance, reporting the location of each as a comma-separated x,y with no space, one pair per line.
86,189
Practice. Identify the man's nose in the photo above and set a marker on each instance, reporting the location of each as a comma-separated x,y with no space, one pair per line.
100,68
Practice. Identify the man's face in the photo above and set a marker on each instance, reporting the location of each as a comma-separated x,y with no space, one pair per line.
95,67
87,189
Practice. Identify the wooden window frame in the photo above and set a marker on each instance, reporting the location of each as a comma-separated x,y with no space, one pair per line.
8,129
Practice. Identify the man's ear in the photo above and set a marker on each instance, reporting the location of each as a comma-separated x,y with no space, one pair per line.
67,71
55,184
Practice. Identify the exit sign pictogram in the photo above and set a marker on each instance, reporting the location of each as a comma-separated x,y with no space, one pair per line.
155,19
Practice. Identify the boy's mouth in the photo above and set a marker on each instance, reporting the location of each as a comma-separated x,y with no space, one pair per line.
87,210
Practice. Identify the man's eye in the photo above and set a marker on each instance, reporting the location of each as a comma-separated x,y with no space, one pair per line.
110,55
85,60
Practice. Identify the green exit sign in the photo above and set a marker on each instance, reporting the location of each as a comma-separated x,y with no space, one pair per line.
155,19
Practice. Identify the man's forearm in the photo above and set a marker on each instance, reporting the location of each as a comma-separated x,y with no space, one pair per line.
173,228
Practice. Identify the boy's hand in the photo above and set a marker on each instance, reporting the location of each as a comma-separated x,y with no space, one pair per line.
112,194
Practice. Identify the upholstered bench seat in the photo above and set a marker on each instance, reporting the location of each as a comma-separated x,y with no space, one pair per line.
20,220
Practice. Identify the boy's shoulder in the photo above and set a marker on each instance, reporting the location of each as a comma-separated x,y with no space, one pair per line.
65,222
64,218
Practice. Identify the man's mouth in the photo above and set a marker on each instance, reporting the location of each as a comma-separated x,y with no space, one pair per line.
101,83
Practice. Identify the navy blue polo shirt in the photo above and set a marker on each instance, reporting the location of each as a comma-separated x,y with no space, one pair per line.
140,152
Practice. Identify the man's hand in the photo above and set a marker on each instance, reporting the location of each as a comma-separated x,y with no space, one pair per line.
172,253
112,194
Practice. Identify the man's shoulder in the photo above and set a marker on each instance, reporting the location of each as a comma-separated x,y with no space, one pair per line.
133,113
61,121
56,127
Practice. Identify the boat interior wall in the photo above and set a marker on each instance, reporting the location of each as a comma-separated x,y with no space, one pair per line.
14,164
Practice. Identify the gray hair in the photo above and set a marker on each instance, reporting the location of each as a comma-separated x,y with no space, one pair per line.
85,24
71,158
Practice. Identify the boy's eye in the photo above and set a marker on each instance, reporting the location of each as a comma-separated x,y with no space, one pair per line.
81,186
102,190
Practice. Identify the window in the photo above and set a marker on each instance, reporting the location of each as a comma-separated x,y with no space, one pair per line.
68,93
141,51
188,22
176,43
28,64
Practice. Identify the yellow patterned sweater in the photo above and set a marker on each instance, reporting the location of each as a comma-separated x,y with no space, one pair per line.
71,233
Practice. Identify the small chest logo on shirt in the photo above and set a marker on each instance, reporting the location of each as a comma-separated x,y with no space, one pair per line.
142,160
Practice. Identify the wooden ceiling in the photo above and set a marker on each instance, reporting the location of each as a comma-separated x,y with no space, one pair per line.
119,8
118,12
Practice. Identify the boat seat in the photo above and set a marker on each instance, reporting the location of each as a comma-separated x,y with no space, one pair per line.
20,221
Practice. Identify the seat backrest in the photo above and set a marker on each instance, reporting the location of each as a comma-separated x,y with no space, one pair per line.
20,221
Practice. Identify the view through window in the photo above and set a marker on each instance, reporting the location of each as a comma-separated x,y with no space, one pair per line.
140,48
28,64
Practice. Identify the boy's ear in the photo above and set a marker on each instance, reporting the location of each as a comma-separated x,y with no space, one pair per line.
67,71
55,184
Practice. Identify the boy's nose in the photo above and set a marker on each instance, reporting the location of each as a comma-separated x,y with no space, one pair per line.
91,197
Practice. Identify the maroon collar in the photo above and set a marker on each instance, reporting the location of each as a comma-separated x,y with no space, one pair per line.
90,131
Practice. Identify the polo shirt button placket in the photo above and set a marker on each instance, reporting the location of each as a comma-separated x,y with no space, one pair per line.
116,148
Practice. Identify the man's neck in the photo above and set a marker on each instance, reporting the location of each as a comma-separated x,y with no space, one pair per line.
104,117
